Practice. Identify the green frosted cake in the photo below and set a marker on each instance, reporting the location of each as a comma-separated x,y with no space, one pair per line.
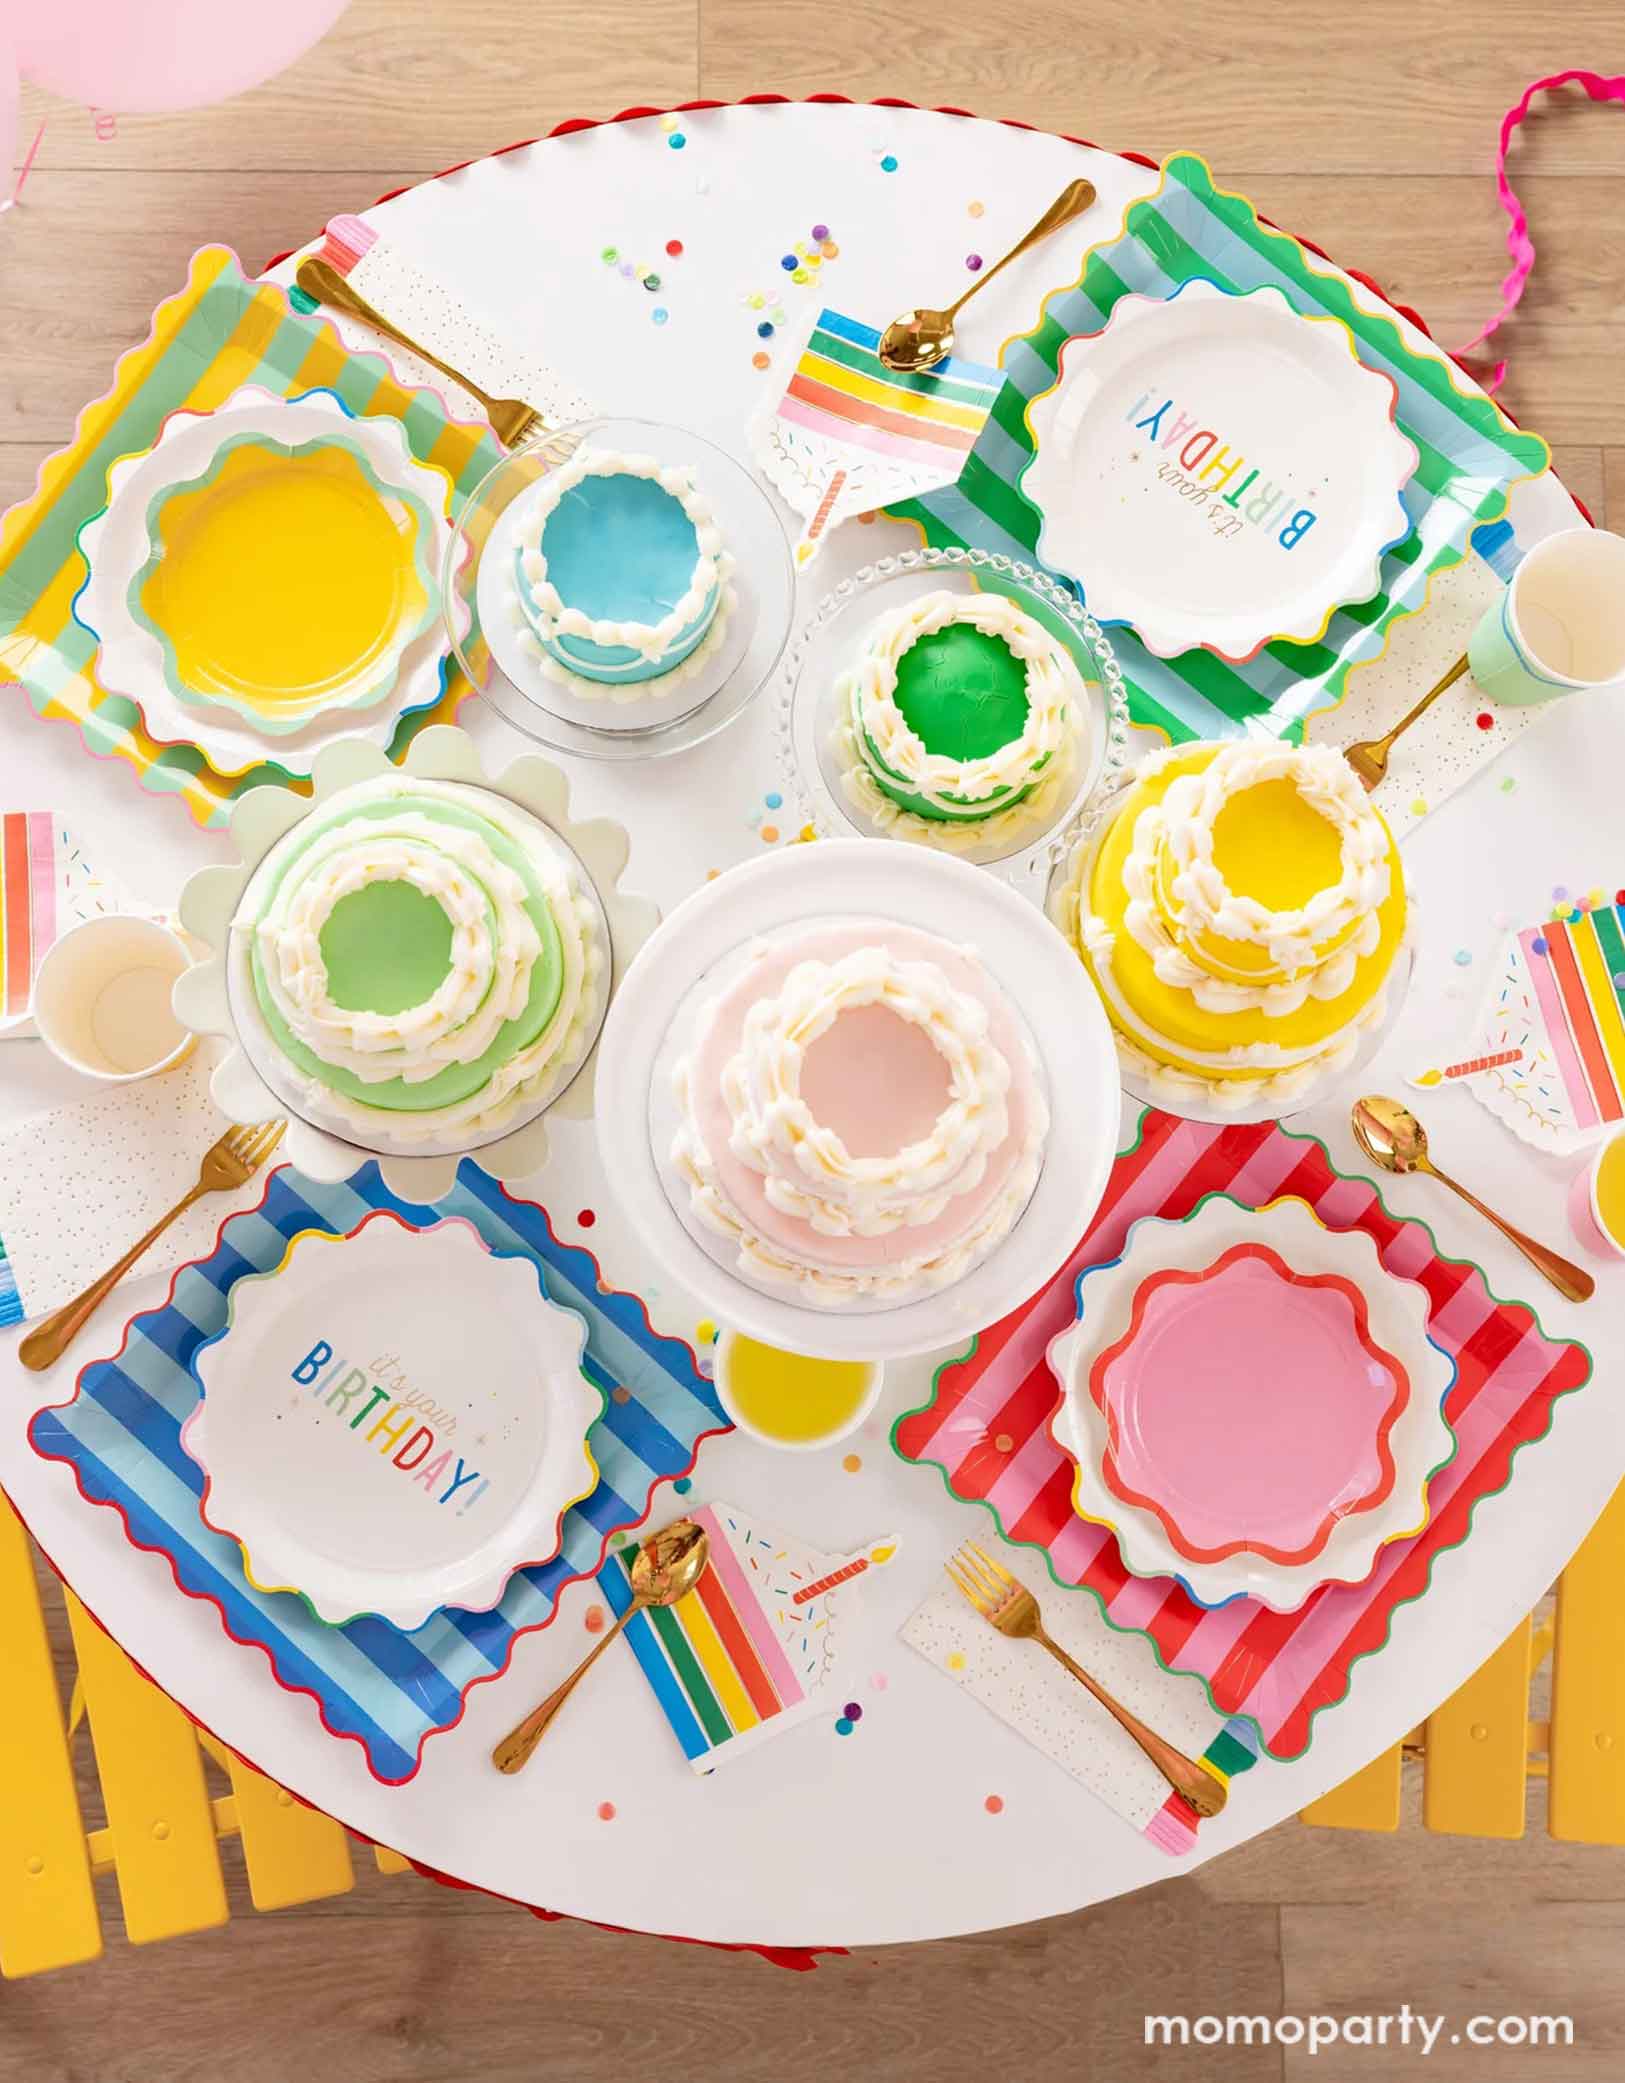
419,963
960,721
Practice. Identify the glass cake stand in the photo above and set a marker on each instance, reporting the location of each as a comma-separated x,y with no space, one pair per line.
565,712
810,714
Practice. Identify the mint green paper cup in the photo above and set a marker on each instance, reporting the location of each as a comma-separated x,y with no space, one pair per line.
1560,624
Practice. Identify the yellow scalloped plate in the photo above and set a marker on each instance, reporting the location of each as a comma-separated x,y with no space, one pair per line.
285,581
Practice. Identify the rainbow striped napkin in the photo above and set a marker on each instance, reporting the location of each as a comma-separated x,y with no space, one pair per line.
847,434
46,886
748,1651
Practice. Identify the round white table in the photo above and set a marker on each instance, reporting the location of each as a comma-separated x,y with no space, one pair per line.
883,1835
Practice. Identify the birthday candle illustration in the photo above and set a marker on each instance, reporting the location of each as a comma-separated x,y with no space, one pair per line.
1427,1079
876,1558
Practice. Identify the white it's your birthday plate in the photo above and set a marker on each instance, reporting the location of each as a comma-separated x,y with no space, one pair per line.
1217,470
393,1421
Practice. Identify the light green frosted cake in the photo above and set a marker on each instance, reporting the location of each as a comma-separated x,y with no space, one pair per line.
422,961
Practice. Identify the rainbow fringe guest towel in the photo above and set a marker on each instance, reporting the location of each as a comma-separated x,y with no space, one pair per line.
847,434
745,1654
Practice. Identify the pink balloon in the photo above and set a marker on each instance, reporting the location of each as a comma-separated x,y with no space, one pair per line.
8,113
142,56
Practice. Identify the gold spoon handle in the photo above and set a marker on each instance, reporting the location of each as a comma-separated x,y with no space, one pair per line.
513,1752
324,282
1072,201
1385,744
1205,1793
1569,1280
47,1342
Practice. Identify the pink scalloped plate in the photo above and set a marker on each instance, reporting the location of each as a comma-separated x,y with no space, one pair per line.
1248,1408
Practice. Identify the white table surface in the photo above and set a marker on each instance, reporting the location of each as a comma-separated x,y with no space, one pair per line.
880,1836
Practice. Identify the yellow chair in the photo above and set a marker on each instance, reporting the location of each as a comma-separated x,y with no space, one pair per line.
161,1839
1479,1750
163,1828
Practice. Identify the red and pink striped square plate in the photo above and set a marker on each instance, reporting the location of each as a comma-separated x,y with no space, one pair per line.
986,1427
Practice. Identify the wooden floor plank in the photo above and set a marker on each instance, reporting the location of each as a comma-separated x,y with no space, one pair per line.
1552,1960
1410,87
433,1988
444,82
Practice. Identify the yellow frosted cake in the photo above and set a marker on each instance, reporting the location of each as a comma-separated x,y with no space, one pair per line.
1241,913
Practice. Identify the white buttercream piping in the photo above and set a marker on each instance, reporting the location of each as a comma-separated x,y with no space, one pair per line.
1260,1073
551,616
1176,893
430,1037
846,1184
808,1169
973,788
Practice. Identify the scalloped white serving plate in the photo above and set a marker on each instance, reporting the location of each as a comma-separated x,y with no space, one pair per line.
812,885
1420,1441
393,1421
115,544
1131,471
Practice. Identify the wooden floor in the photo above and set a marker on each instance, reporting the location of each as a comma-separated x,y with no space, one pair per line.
1368,128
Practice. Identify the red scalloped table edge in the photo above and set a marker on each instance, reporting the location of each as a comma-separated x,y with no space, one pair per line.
571,124
782,1956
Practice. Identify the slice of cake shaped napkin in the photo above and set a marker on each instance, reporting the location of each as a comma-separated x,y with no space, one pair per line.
749,1650
1029,1692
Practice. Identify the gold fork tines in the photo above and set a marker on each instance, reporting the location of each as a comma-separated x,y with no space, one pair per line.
227,1164
1006,1604
1369,758
512,420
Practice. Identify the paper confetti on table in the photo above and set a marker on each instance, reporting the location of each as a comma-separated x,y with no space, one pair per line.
848,434
746,1652
46,886
1547,1054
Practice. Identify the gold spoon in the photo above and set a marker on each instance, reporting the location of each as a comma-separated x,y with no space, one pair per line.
1392,1137
920,339
1369,758
667,1567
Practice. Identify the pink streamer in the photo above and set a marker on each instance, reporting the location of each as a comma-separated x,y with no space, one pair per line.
1519,243
16,194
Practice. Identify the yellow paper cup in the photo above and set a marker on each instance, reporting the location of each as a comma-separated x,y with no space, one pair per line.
786,1401
1597,1200
102,999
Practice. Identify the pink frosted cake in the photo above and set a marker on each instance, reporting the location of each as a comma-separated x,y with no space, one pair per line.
860,1114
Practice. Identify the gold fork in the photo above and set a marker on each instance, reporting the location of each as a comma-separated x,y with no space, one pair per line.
1005,1602
512,420
231,1163
1369,758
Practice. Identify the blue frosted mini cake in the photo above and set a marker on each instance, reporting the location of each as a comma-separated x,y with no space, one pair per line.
620,576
